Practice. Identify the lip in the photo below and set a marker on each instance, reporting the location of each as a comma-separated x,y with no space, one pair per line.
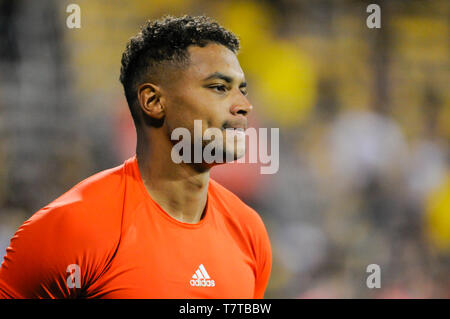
235,126
235,129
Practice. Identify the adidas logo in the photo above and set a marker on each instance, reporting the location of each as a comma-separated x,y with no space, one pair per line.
201,278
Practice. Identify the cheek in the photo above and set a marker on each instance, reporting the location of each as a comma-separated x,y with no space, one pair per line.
183,110
178,112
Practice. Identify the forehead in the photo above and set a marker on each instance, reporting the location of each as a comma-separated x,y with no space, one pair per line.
213,58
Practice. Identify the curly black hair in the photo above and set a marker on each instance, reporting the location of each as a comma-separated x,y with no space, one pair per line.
166,40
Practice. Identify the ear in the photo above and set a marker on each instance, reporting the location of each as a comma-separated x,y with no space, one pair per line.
149,97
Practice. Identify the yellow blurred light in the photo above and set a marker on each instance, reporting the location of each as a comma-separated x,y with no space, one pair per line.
438,216
286,81
282,76
249,20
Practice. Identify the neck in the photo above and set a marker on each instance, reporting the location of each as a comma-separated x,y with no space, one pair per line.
180,189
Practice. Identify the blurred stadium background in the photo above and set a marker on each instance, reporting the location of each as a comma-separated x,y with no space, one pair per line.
364,118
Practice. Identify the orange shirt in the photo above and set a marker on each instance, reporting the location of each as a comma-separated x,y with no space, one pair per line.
126,246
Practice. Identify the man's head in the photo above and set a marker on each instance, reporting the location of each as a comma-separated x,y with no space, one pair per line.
177,70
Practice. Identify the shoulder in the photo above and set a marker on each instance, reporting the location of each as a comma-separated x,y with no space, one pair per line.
81,227
88,212
97,188
235,210
95,195
246,227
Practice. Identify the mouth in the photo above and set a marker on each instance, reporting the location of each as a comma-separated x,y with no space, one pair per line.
235,131
240,126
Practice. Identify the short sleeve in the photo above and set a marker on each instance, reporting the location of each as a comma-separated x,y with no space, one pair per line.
33,266
263,260
55,254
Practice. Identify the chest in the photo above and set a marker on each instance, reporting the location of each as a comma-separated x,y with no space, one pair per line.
154,260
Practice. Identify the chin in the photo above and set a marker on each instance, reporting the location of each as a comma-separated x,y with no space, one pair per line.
235,146
234,152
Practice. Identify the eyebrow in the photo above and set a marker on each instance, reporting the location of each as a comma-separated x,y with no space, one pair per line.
226,78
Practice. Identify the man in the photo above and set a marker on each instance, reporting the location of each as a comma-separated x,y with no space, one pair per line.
154,227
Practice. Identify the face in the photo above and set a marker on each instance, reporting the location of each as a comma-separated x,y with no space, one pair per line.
211,89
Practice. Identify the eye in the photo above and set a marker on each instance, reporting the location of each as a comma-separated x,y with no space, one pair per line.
244,91
219,88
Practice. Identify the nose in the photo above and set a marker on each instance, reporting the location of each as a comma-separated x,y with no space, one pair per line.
242,107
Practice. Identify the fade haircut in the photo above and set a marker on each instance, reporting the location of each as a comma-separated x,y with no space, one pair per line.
166,41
